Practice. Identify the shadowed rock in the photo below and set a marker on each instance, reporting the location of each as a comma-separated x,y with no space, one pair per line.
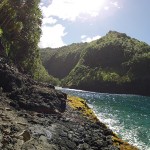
28,94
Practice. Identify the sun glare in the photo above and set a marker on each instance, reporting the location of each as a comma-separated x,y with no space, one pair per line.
91,7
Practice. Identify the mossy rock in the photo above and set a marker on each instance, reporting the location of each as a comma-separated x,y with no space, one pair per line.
81,105
122,144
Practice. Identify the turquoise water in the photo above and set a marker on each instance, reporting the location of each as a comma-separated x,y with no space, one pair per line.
126,115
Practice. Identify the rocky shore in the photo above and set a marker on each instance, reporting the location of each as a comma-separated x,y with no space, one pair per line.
35,116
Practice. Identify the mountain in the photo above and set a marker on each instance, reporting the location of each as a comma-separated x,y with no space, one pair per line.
60,61
115,63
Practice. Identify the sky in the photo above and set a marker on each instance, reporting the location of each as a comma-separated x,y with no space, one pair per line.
74,21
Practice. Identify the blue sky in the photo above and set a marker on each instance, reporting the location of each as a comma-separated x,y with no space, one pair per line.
73,21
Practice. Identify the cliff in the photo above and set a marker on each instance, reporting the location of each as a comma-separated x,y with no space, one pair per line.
115,63
36,116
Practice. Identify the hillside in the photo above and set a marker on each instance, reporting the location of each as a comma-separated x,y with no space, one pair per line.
115,63
60,61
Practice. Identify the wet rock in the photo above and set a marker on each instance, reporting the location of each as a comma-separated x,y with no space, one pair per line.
7,131
8,109
1,90
1,139
38,100
22,123
26,135
28,146
9,81
99,143
51,86
108,132
83,146
70,144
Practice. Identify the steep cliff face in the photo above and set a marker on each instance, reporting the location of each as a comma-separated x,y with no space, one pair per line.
36,116
116,63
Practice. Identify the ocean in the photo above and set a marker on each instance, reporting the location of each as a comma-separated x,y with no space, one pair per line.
127,115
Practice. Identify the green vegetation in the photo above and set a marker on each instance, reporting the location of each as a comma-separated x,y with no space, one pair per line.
20,30
60,61
114,63
80,105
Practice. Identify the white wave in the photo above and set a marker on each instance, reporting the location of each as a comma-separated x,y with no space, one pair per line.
102,105
129,135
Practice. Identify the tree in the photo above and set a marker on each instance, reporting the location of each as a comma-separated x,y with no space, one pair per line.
20,21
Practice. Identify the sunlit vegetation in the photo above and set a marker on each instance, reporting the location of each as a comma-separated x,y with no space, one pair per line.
113,63
80,105
20,31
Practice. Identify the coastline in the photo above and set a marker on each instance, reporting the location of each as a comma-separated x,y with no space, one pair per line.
80,105
34,115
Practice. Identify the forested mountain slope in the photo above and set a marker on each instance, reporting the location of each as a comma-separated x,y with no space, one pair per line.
115,63
60,61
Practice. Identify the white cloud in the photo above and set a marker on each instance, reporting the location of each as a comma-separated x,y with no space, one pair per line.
72,9
115,4
41,4
84,38
49,20
106,7
69,10
45,2
52,36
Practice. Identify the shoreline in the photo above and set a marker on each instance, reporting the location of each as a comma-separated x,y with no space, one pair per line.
132,94
34,115
81,105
